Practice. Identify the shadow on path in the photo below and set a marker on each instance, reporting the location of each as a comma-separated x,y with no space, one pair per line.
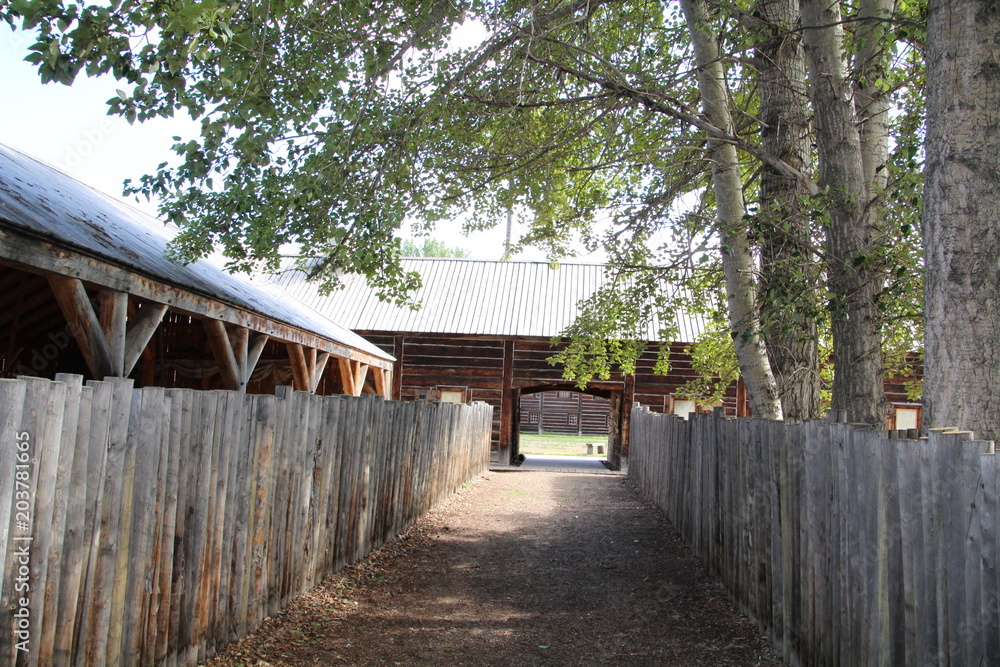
523,569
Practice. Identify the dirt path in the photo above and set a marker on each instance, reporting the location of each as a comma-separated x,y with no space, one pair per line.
523,568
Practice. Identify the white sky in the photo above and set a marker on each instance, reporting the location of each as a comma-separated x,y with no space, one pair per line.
67,127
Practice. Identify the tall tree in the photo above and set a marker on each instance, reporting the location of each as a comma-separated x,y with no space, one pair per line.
789,272
327,128
961,210
737,260
855,273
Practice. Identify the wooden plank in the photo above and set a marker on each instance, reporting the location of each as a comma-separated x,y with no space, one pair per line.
133,469
165,595
76,541
929,577
139,554
12,397
232,601
161,564
989,464
102,571
972,490
84,325
227,498
265,421
911,541
217,486
196,528
61,468
185,423
28,537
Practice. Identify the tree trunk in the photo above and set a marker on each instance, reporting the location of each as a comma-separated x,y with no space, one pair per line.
961,210
871,103
789,283
854,274
728,187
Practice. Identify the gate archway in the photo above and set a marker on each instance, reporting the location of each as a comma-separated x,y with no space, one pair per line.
615,414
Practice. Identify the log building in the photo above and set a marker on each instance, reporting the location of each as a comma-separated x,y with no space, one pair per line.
485,332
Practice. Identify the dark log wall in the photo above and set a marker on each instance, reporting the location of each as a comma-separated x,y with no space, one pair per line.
564,413
429,363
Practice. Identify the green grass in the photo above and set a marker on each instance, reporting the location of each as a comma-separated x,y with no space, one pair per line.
561,445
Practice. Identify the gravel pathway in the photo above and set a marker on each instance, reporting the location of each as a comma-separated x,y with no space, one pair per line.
521,568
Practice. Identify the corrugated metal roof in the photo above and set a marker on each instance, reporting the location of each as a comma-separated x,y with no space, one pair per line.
472,297
44,202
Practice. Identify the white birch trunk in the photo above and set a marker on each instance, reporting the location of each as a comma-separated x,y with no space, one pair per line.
728,187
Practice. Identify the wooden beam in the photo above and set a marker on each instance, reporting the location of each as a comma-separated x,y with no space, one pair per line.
114,318
84,324
47,259
318,365
397,367
140,332
507,405
346,376
383,382
352,374
360,372
222,349
300,369
239,339
254,350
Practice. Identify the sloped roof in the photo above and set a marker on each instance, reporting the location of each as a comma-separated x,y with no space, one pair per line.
44,203
472,297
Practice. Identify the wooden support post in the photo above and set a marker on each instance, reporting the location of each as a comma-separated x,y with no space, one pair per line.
84,324
352,374
300,370
222,349
141,332
346,376
110,346
235,351
254,350
239,341
360,373
508,398
113,318
316,368
397,367
383,382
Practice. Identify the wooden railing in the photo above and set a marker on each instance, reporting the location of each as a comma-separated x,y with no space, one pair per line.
847,546
149,526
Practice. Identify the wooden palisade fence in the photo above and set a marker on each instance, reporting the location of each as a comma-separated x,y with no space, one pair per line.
846,545
160,525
